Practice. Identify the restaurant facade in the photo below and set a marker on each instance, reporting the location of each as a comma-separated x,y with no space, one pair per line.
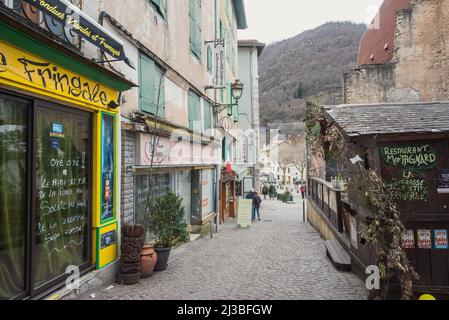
59,146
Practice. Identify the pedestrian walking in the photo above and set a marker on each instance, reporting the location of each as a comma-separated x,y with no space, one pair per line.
303,191
272,192
257,202
265,191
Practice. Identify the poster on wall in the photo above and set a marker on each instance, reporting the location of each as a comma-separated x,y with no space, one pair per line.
408,240
424,239
107,181
441,239
443,181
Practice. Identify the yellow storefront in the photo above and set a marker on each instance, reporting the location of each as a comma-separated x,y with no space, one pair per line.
59,191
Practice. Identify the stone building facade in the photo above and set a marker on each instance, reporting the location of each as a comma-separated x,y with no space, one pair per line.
419,65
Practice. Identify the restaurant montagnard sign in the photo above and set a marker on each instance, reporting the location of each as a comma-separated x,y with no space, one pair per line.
410,157
81,24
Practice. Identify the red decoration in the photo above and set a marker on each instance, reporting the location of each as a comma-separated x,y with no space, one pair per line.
229,168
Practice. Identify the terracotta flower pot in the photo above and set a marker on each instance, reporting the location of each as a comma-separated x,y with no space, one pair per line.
148,260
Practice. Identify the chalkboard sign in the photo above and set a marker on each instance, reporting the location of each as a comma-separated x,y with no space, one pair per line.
245,209
62,192
410,157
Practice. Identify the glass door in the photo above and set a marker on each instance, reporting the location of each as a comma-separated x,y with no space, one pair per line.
62,193
13,196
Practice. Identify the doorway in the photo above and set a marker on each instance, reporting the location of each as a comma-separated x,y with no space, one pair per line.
45,191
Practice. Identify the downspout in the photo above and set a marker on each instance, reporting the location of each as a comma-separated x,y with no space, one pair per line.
218,167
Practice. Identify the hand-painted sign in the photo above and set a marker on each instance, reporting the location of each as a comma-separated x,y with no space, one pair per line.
245,211
22,68
441,241
81,24
408,189
219,66
424,239
410,157
408,240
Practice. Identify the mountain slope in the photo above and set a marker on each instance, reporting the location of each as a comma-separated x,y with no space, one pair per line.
309,64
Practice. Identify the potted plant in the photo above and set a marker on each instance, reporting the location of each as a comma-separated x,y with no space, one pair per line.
167,224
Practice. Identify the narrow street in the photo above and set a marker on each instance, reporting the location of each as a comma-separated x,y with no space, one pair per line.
280,257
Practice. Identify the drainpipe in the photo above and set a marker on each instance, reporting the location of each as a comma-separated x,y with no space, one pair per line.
217,167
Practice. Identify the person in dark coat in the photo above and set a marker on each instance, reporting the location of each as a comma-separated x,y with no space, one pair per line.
265,191
272,192
257,202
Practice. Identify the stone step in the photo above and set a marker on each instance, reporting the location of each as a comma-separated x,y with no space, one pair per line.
338,256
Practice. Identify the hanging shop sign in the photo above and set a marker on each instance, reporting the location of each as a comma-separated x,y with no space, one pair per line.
440,237
80,23
408,240
20,68
424,239
219,66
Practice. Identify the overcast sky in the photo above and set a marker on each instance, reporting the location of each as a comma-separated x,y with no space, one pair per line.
275,20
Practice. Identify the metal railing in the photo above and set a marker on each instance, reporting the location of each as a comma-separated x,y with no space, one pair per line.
328,200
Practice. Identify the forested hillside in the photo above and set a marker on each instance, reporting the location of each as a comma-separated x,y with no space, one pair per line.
307,65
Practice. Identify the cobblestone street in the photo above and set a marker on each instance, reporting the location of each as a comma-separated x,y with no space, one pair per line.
280,257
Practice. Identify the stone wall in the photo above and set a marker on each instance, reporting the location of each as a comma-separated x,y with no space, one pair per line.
127,187
419,70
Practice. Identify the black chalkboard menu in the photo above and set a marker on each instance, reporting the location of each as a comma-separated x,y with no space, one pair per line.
62,192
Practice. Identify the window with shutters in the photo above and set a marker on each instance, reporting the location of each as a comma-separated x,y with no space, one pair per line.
194,111
152,87
195,27
161,7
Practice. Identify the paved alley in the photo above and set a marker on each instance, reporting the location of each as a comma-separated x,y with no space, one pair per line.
279,257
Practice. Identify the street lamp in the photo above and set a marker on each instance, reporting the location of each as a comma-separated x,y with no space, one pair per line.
237,92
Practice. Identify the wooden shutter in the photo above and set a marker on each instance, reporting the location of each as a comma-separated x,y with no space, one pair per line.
207,115
147,84
163,8
195,27
194,109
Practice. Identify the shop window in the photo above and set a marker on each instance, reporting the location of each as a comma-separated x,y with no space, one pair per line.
152,87
207,199
13,196
56,206
143,186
